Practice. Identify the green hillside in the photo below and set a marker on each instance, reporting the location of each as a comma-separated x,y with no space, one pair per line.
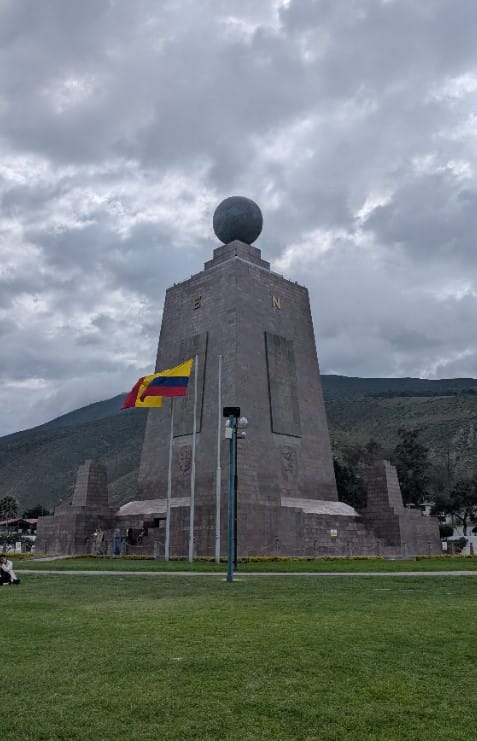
338,386
448,424
38,466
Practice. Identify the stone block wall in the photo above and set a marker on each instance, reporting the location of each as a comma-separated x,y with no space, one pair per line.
405,531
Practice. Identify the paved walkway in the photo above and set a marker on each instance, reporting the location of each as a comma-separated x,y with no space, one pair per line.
53,558
241,574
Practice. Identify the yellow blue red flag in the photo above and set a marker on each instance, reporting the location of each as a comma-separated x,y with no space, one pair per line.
149,391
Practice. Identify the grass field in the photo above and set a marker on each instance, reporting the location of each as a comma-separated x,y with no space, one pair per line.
338,565
117,657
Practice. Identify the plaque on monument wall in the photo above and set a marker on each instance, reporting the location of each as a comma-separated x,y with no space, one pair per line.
282,385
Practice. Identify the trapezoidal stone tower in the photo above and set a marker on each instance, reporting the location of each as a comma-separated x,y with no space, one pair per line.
261,325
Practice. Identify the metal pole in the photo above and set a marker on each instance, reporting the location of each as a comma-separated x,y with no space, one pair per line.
192,470
230,548
169,487
235,494
219,470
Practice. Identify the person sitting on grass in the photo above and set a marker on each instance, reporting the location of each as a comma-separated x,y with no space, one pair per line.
7,574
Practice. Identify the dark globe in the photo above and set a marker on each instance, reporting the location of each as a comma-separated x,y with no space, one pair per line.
237,218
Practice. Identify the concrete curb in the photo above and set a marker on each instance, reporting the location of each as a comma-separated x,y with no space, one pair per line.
241,574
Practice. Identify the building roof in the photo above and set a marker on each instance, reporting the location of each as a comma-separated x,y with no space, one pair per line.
19,521
151,506
320,507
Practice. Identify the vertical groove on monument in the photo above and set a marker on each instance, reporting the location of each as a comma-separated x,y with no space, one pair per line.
261,325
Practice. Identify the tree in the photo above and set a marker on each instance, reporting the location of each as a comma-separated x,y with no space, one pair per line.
412,463
352,472
373,451
350,486
37,511
445,530
461,503
8,508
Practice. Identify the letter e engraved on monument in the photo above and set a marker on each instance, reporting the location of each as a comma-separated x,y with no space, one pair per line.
196,302
276,302
282,385
288,460
184,405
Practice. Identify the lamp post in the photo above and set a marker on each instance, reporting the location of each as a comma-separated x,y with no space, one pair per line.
240,433
235,497
232,414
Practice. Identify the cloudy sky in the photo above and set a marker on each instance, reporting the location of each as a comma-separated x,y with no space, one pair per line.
352,123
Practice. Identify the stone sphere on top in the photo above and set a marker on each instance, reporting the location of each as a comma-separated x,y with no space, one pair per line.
237,218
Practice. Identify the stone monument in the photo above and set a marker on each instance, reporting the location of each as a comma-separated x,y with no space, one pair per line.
239,316
69,530
261,325
398,527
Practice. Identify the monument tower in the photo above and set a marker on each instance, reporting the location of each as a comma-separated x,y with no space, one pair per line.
261,325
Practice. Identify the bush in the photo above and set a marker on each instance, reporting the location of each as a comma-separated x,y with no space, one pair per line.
445,530
459,544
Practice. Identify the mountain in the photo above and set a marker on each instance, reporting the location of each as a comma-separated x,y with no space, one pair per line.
90,413
334,386
38,466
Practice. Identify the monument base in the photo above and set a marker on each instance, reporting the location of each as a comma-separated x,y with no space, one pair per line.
295,527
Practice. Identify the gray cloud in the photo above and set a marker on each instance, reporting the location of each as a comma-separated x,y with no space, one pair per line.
123,125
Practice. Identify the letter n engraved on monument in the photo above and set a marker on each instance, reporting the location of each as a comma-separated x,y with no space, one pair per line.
282,385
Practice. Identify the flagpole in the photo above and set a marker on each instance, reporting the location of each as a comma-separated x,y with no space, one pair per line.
218,475
169,487
192,469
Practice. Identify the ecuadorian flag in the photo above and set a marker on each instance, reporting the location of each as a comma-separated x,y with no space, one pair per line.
149,391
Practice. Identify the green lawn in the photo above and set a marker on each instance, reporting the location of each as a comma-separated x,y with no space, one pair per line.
315,565
116,657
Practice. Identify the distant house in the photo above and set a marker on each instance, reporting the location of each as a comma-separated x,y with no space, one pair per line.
19,525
